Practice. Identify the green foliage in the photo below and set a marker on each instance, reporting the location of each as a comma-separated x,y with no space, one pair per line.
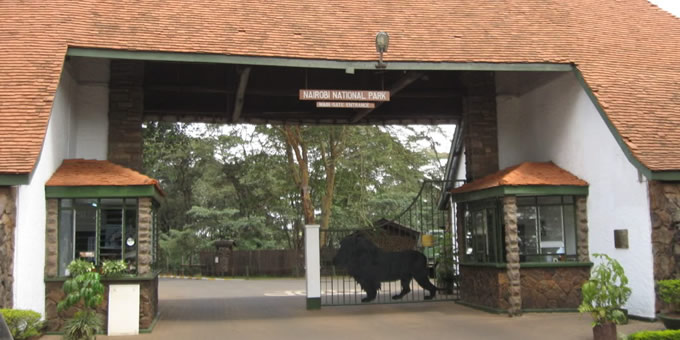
655,335
83,286
606,291
113,267
84,325
669,292
23,324
445,258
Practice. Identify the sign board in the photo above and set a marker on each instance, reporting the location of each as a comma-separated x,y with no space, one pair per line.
346,105
345,95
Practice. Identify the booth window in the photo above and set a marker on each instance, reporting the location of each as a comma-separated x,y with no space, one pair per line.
96,230
546,229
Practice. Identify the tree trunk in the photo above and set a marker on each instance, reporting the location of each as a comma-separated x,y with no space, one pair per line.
299,166
335,145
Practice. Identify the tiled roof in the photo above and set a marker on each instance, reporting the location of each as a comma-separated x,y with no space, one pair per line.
628,51
524,174
86,172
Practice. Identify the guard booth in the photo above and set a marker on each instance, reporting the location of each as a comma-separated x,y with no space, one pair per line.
99,211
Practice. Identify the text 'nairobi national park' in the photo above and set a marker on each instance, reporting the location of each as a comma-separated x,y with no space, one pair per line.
345,95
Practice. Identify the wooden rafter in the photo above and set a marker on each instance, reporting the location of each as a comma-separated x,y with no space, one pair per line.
240,94
402,83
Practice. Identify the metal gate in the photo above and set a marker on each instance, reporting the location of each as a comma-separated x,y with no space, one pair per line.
421,227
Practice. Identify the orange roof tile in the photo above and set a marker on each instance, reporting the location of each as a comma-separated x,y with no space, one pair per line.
86,172
627,51
524,174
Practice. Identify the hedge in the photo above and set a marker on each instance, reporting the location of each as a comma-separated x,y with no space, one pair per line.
656,335
23,324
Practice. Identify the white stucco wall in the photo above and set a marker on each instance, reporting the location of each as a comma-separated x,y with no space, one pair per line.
62,140
558,122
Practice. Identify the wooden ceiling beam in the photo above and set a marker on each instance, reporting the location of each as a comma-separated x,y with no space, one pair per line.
402,83
240,94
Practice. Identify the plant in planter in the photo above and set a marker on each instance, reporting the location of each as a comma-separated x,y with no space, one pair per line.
669,292
111,268
84,291
445,273
604,295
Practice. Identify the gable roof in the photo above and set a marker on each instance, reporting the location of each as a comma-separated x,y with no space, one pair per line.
627,51
524,174
93,173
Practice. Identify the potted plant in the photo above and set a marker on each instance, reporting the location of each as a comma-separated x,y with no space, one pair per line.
604,295
445,273
669,292
84,291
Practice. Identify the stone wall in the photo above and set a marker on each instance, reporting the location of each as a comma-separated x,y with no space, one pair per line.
484,286
481,126
52,238
512,255
126,106
582,251
7,225
148,306
664,198
145,244
557,287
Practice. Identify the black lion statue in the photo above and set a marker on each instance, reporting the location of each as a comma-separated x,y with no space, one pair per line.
370,265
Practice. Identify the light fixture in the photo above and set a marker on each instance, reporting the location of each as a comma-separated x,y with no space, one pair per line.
382,41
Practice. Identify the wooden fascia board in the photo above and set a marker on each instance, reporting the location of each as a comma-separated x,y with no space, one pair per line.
524,190
105,191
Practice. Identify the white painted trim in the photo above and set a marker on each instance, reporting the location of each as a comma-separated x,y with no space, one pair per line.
312,261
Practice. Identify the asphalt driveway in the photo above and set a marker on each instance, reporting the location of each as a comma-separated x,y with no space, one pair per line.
275,309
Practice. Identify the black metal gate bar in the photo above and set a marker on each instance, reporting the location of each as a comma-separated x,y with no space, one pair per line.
420,221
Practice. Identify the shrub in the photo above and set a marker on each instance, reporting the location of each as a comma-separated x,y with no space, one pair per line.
656,335
84,325
669,292
606,292
114,268
23,324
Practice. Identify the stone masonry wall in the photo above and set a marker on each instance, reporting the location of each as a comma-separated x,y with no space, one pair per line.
7,225
664,198
52,238
481,125
512,255
553,287
126,107
145,225
484,286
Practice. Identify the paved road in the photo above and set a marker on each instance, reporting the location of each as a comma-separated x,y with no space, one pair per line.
274,309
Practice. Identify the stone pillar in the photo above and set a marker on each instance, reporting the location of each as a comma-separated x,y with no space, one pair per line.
52,238
313,266
582,229
512,255
126,107
481,127
145,230
7,225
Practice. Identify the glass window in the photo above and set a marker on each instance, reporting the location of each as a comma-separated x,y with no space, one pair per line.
526,230
547,231
481,241
97,230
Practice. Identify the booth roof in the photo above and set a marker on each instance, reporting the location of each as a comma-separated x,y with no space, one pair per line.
89,173
524,174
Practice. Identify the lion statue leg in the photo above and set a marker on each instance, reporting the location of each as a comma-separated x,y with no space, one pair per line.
405,288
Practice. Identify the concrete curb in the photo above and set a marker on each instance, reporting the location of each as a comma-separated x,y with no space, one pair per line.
193,277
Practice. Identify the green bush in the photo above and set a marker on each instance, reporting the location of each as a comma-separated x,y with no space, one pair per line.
23,324
83,286
656,335
84,325
669,292
112,268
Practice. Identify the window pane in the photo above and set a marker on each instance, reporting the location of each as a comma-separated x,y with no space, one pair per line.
469,246
491,232
65,240
570,229
552,238
66,202
480,235
568,199
110,240
526,228
131,237
550,200
86,229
